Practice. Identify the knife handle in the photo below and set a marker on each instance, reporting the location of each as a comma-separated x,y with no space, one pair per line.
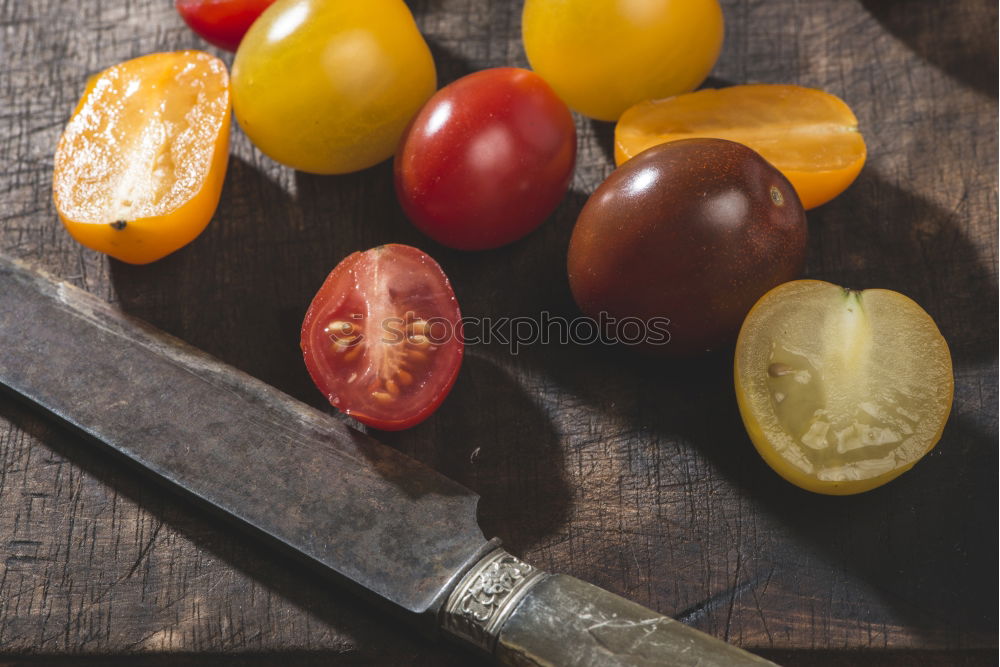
525,617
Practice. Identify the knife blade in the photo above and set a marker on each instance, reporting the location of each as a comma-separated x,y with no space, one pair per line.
362,514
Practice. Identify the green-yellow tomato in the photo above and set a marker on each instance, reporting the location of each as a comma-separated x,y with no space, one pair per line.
328,86
603,56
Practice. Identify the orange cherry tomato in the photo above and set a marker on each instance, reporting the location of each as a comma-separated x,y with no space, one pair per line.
810,136
140,165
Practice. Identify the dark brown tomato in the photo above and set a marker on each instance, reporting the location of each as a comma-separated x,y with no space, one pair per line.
694,231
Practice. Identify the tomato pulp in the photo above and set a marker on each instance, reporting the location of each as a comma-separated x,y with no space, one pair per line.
139,169
486,160
809,135
382,338
841,391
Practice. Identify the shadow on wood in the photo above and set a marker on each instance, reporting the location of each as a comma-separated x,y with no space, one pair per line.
490,436
958,38
878,235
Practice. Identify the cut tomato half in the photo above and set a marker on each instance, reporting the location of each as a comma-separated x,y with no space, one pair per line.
382,338
809,135
139,169
841,391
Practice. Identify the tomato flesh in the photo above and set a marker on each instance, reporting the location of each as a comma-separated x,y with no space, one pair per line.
139,169
809,135
841,391
221,22
486,160
382,338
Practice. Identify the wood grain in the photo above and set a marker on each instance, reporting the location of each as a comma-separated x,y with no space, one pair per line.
636,477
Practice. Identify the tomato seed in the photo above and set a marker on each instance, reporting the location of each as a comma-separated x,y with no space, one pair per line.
777,370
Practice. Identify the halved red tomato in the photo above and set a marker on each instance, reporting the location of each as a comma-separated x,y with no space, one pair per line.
382,338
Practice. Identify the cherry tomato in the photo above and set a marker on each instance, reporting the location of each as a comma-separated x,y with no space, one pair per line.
221,22
140,166
487,159
382,338
841,391
694,231
603,56
328,86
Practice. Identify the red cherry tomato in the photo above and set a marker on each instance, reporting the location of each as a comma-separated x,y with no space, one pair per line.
221,22
486,159
383,338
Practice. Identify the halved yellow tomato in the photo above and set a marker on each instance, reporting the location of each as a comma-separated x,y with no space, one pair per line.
139,168
809,135
841,391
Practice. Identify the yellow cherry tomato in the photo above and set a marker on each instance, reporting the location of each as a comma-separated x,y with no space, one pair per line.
841,391
139,168
328,86
603,56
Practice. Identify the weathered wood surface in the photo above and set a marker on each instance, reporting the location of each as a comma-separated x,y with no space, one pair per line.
635,476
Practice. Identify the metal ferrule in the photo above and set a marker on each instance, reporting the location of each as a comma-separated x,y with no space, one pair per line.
485,597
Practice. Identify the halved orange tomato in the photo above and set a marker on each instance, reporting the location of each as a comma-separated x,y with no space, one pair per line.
809,135
139,168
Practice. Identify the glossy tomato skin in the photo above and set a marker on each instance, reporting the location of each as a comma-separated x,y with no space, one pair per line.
221,22
486,160
382,338
328,86
694,231
603,56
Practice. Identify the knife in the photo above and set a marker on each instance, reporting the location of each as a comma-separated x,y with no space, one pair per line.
362,514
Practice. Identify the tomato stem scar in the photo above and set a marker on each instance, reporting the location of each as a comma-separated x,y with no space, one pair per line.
776,196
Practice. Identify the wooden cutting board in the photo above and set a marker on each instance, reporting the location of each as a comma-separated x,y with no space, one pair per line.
636,476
